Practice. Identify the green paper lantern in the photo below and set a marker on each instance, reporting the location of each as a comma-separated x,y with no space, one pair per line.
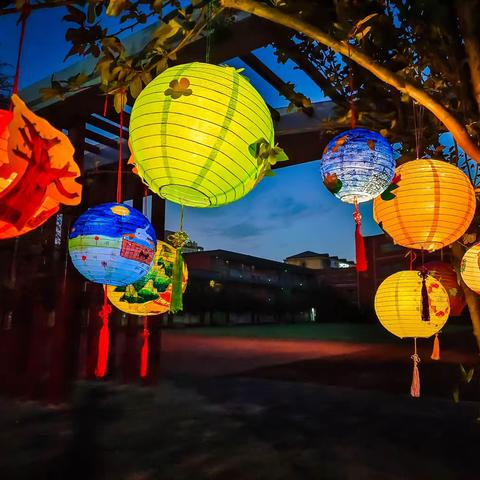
201,135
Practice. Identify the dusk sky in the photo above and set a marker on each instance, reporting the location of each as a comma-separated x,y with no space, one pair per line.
284,215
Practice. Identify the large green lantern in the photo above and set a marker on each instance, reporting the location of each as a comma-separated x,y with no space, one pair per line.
201,135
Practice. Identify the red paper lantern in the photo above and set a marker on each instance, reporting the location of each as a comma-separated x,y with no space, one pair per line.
37,172
447,276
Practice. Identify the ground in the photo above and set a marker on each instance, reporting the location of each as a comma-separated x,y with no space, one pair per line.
260,403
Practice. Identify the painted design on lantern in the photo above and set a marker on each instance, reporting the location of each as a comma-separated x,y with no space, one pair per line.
362,160
151,294
116,239
178,88
332,182
37,172
388,193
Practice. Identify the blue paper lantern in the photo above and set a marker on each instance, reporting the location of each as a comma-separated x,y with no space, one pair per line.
357,165
112,244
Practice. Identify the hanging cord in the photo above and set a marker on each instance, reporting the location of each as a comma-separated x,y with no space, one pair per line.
418,112
120,155
415,387
351,86
25,13
413,257
209,34
104,337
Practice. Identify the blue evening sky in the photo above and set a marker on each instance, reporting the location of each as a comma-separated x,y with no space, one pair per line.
284,215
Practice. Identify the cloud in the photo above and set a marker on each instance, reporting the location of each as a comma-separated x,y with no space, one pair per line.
240,230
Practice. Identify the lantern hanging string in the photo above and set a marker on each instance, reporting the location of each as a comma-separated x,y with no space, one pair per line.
415,387
413,257
418,112
26,9
351,86
144,352
209,33
120,151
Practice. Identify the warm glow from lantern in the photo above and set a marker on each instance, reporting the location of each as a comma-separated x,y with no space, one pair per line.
470,268
112,249
433,206
151,294
357,165
193,131
398,304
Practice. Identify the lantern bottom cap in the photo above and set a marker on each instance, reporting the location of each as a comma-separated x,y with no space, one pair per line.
186,196
358,197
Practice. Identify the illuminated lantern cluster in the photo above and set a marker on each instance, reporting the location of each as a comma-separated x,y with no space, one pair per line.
398,304
470,268
37,171
152,293
357,165
447,276
201,135
112,244
430,206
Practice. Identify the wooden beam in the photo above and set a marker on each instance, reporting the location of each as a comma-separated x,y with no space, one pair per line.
97,137
271,77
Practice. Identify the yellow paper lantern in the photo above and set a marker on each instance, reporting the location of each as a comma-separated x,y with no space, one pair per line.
398,304
430,206
470,268
151,294
201,135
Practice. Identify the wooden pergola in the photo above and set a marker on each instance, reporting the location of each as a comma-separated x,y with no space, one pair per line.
48,311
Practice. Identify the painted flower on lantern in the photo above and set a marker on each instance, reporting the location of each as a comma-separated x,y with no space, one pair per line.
332,182
178,88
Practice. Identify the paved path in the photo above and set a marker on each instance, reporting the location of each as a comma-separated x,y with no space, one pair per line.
212,356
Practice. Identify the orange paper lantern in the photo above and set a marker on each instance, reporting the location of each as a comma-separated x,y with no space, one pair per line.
431,205
447,276
38,174
470,268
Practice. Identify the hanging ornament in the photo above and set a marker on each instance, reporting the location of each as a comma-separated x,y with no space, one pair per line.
112,244
357,166
151,295
412,304
447,276
431,206
37,174
202,136
470,268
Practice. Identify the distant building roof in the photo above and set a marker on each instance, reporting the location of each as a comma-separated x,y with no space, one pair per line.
309,254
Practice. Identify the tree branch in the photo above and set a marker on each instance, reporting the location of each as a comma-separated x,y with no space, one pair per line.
38,6
444,116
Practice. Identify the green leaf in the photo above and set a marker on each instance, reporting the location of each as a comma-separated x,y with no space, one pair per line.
119,101
136,86
469,375
456,395
115,7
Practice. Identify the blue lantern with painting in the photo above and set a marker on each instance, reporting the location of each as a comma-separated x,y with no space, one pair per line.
112,244
357,166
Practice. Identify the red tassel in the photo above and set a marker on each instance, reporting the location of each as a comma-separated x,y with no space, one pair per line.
415,387
104,338
436,348
425,303
361,259
144,352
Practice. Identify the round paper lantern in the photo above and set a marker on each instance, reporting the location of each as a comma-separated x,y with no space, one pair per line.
200,135
431,205
447,276
5,119
112,244
470,268
398,304
357,165
151,294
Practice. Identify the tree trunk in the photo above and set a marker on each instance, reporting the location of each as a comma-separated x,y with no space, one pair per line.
470,296
275,15
466,14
